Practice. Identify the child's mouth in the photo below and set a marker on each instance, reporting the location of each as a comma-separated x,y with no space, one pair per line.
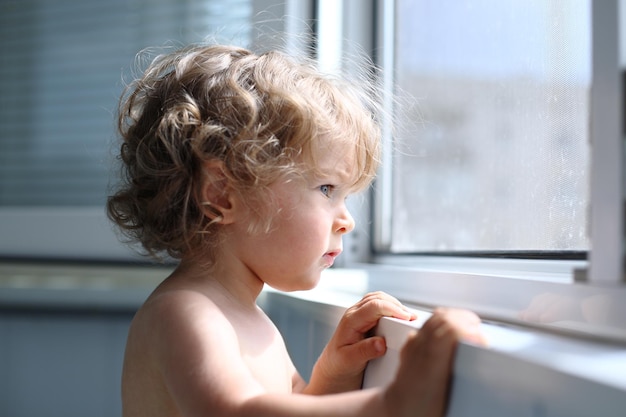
329,257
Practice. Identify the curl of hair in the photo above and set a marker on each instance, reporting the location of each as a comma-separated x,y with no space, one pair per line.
261,115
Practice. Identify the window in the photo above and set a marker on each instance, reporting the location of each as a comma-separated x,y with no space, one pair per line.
503,191
61,74
62,70
496,157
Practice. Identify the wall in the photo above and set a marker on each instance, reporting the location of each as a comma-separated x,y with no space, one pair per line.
60,363
62,335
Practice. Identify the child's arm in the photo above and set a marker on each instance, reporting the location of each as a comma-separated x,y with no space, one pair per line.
341,365
203,371
420,388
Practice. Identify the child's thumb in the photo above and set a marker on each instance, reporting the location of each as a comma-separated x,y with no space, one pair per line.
367,349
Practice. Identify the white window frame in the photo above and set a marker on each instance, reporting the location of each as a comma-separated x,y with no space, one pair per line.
499,289
607,145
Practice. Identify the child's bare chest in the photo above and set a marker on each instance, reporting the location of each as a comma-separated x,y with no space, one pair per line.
263,351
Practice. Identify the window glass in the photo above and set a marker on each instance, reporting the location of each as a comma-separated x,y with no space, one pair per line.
496,154
61,72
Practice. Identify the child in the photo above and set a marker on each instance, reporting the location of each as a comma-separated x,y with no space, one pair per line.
239,166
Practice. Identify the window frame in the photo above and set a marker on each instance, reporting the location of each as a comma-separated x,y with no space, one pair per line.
498,287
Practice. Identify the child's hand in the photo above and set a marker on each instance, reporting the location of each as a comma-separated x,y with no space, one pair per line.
422,381
341,365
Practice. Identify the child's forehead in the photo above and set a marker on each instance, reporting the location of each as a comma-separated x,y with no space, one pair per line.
334,158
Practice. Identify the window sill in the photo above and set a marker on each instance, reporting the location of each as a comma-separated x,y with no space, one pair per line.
525,370
75,286
522,373
533,294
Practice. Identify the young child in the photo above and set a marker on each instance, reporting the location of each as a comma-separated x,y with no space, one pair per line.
239,166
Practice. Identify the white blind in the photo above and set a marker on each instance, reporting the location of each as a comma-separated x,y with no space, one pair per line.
61,70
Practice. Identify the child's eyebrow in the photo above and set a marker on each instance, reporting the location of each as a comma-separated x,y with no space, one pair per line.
334,172
348,182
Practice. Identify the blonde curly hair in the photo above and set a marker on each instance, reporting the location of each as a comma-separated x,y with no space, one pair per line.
260,115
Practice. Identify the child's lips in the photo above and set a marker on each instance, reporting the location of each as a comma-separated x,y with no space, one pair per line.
329,257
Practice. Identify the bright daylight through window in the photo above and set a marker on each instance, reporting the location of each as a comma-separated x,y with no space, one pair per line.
496,156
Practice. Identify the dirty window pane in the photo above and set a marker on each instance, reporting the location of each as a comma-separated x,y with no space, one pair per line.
496,157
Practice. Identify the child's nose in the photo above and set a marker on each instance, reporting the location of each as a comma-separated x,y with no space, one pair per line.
344,223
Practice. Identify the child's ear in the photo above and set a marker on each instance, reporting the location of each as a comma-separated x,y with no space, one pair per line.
216,196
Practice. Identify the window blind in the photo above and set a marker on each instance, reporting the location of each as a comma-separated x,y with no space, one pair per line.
61,75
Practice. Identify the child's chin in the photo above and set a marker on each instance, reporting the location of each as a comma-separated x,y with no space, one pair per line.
301,286
311,285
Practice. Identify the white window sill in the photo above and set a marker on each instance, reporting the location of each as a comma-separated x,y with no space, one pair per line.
524,370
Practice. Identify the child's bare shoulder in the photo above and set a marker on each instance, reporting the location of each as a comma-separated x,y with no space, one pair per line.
178,313
180,338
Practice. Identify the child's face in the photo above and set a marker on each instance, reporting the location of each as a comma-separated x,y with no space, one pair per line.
306,234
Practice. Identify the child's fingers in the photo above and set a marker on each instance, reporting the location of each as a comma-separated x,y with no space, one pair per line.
445,328
364,315
426,362
430,350
356,355
460,324
367,349
422,381
379,295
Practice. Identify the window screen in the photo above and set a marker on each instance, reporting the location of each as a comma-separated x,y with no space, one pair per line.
61,72
496,155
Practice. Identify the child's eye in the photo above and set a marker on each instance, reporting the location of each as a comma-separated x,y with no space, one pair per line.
326,189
